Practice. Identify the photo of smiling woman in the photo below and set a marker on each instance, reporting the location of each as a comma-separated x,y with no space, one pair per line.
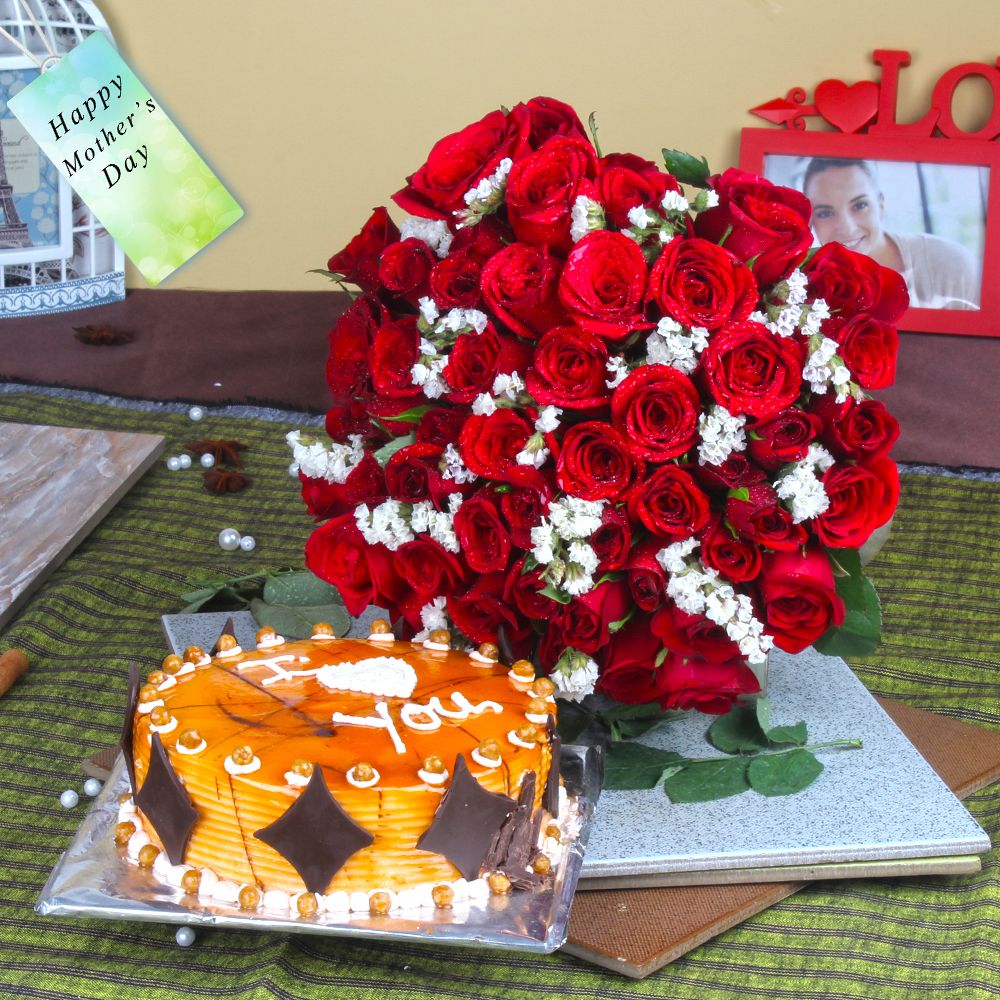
925,220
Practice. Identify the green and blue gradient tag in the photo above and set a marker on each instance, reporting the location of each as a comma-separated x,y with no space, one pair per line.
125,158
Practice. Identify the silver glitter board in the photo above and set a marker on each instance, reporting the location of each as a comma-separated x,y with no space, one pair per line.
881,802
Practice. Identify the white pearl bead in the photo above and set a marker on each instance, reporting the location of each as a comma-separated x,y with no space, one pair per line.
248,543
173,463
69,799
184,937
229,539
185,461
196,413
92,787
207,461
293,470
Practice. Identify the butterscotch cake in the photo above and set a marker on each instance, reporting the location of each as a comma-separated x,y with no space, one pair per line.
341,774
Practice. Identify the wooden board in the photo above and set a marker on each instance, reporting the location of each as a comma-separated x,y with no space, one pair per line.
56,484
637,931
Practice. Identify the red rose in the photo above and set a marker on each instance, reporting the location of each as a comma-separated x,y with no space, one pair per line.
657,409
483,240
626,181
860,431
629,673
441,426
612,540
700,284
799,597
413,474
520,285
737,559
748,369
595,463
404,269
761,222
347,365
358,261
429,569
569,370
489,445
862,498
365,483
586,620
669,503
482,536
454,281
693,635
524,591
363,574
868,347
603,285
549,117
783,438
460,161
482,610
853,283
646,579
342,421
543,186
524,509
761,518
477,359
735,471
394,353
712,688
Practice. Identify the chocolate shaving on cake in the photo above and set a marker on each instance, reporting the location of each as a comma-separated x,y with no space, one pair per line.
504,647
550,797
224,451
166,804
515,843
102,335
128,732
228,629
314,835
218,480
466,822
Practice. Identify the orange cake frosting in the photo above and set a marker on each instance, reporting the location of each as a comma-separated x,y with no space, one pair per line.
391,726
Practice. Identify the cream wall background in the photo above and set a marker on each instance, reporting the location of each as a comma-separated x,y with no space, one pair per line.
314,111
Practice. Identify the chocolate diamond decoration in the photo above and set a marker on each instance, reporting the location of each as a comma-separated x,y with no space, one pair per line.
228,629
165,804
466,822
314,835
550,797
126,740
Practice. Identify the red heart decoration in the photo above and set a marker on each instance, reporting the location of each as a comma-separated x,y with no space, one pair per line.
848,108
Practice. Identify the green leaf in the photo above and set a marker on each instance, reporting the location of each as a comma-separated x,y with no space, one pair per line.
737,730
743,493
297,589
573,720
707,780
661,656
797,734
388,450
557,595
632,765
592,124
617,626
862,628
762,706
297,622
196,598
629,721
412,415
687,168
783,773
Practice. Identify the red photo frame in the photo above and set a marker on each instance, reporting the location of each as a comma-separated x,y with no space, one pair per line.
758,144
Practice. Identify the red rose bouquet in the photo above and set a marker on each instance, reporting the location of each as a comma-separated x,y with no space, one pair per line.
618,429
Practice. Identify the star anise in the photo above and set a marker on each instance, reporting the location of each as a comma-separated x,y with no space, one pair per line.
224,452
103,335
225,480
